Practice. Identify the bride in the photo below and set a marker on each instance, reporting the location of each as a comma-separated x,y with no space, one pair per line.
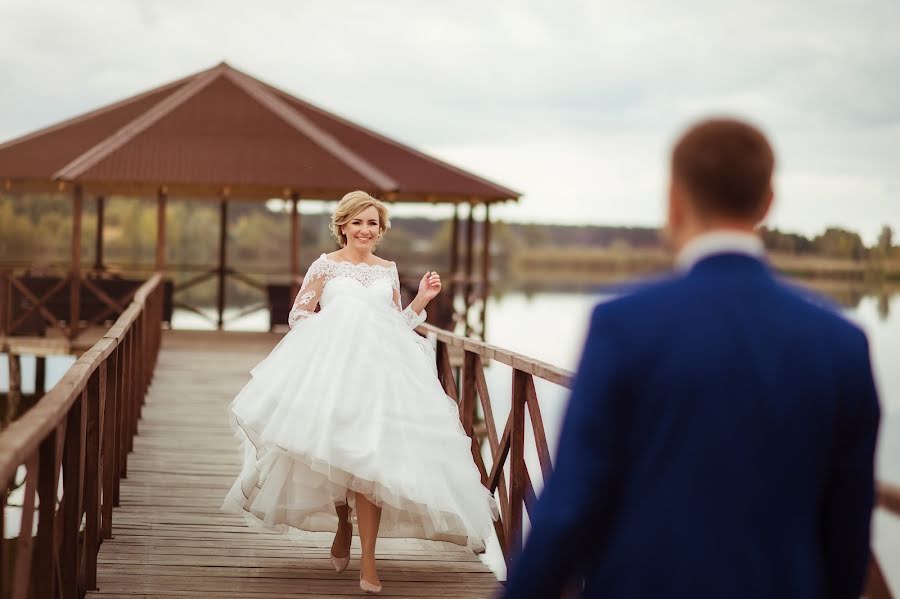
346,414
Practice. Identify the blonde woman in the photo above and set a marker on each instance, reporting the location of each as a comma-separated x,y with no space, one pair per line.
346,416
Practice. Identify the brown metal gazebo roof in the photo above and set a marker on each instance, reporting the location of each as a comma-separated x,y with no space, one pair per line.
222,132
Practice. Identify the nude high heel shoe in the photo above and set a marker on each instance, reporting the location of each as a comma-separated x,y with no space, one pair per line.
340,563
365,585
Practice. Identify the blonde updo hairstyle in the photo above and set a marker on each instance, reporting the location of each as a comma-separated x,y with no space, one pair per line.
352,204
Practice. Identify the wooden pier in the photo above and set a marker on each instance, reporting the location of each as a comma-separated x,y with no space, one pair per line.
169,537
136,436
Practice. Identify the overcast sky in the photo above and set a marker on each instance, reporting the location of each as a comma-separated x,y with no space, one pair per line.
575,104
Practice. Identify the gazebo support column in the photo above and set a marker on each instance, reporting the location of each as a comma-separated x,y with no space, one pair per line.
161,198
485,268
295,243
40,376
98,248
75,275
5,296
14,394
470,258
454,258
223,236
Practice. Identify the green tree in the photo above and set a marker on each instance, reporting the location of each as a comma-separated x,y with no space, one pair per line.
885,241
779,241
836,242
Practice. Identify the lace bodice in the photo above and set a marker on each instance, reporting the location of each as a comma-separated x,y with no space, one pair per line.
324,270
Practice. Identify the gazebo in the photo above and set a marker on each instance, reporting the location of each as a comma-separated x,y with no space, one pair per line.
222,134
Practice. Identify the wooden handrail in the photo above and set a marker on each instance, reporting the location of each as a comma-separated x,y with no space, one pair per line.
80,432
542,370
517,494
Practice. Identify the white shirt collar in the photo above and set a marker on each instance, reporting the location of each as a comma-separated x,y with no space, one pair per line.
718,242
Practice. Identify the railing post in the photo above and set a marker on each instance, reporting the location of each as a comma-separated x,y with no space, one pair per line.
111,443
5,301
40,376
467,404
14,394
73,479
43,574
5,581
20,572
141,362
137,378
124,406
96,390
517,463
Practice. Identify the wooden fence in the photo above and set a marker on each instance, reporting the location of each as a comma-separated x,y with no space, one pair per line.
30,304
517,494
77,437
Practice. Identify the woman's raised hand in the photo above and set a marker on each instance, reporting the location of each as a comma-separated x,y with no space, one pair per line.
430,285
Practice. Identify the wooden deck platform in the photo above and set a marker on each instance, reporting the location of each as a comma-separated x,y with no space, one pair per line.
169,537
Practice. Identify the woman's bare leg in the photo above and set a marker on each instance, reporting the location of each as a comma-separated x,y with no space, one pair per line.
368,519
344,535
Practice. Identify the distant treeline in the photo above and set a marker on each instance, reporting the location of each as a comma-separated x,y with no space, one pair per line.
35,232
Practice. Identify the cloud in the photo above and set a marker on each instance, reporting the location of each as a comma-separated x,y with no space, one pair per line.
574,103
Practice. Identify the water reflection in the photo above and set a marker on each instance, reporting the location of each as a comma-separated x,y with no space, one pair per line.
849,296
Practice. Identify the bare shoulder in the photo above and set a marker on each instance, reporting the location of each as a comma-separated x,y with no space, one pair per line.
382,262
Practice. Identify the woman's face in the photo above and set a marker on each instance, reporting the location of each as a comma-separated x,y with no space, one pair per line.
362,229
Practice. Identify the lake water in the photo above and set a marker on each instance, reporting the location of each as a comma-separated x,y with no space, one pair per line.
551,327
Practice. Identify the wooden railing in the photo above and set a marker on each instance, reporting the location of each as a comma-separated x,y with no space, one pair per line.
517,494
509,447
64,301
80,432
876,587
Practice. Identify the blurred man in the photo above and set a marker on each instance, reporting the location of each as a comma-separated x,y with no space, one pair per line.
720,435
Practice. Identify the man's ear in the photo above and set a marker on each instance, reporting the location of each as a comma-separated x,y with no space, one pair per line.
676,203
674,216
765,206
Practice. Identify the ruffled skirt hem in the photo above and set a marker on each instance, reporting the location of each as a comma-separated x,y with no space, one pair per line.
280,490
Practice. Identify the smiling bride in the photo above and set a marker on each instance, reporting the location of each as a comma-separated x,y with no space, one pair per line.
346,416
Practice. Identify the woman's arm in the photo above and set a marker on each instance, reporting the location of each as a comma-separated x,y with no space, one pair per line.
308,297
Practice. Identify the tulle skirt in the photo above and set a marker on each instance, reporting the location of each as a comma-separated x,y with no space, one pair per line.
348,401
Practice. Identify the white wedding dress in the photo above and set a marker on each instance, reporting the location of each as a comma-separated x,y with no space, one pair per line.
349,401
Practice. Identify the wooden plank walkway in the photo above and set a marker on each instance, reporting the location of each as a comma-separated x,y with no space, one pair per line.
169,537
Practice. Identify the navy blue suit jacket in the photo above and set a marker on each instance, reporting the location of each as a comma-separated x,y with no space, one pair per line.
718,442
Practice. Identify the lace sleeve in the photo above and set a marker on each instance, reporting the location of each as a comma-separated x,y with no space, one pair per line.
412,318
309,294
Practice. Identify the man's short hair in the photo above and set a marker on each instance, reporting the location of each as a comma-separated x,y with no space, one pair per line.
725,165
